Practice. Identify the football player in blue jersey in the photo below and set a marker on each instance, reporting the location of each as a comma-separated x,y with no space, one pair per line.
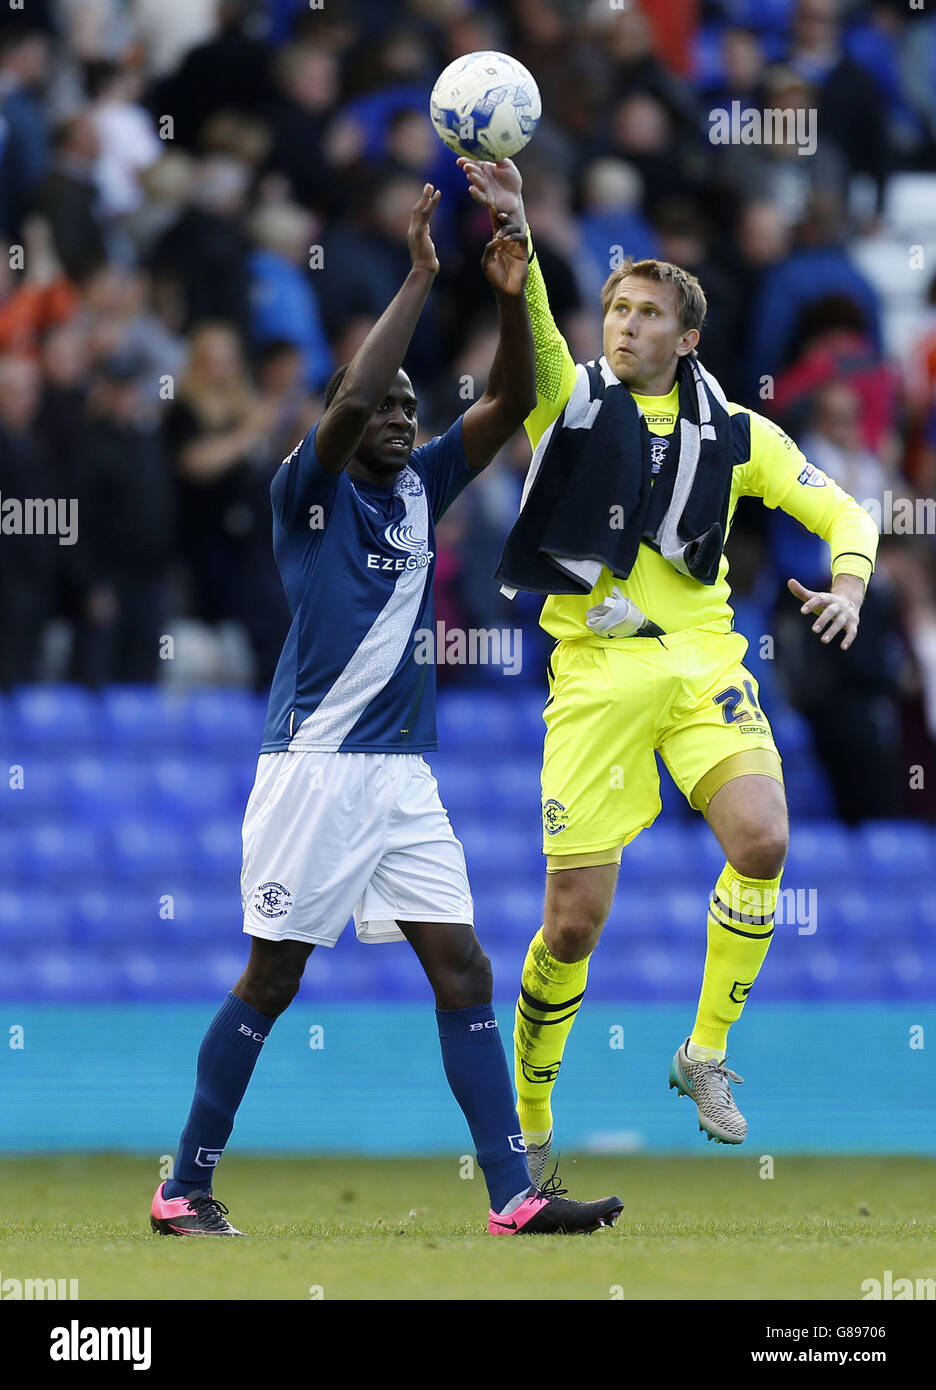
345,819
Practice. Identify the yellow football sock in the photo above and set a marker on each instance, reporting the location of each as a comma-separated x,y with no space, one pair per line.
550,994
740,926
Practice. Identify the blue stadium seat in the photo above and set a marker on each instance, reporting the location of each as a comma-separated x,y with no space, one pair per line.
144,717
907,972
493,850
150,850
205,919
193,789
55,716
821,850
225,719
117,916
848,913
809,794
791,732
41,793
33,916
61,853
72,976
481,719
102,790
11,856
463,786
218,849
529,727
892,849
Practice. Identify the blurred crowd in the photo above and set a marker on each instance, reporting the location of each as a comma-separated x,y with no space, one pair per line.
206,204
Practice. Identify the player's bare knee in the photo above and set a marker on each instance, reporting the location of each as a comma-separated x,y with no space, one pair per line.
271,990
571,939
762,853
466,984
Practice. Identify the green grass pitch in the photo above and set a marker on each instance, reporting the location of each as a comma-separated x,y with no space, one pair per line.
699,1227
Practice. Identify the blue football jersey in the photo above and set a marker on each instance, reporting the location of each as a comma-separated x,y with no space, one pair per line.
357,561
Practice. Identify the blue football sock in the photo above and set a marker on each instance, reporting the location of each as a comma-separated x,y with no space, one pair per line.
476,1068
226,1060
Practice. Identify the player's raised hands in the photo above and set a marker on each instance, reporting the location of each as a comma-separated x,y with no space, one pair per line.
422,252
835,612
498,186
504,260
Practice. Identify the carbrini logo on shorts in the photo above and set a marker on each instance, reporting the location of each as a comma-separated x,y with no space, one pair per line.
555,816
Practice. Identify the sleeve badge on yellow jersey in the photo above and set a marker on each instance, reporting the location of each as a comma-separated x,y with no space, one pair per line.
812,477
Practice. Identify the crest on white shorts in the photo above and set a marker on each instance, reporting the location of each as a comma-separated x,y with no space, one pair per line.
272,900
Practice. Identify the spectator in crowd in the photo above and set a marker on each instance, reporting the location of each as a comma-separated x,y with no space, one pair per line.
687,238
120,475
741,77
281,379
28,562
818,266
366,260
611,217
24,153
64,362
920,392
851,107
793,161
643,132
127,139
37,295
307,82
637,68
204,256
70,200
230,71
834,345
907,565
217,433
283,301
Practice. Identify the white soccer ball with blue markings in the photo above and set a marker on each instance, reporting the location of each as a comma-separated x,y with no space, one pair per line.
485,105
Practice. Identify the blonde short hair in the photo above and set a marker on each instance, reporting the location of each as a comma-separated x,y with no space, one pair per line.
690,297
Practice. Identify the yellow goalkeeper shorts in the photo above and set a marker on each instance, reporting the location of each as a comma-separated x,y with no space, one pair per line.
686,695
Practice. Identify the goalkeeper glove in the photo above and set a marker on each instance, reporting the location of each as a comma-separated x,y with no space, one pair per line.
619,616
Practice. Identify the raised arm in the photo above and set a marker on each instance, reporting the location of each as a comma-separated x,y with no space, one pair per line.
511,388
499,187
377,361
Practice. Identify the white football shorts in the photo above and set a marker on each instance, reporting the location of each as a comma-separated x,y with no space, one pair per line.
329,836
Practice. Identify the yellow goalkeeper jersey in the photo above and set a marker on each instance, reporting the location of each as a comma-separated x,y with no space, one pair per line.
776,471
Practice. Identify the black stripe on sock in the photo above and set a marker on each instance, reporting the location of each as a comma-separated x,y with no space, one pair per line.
752,935
546,1022
535,1003
750,919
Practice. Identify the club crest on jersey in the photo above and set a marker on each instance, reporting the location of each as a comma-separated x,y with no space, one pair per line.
554,816
658,451
811,477
408,484
272,900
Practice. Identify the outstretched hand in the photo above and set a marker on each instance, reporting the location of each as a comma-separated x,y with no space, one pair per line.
504,260
498,186
422,252
834,612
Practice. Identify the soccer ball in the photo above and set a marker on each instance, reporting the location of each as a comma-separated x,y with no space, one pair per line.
485,105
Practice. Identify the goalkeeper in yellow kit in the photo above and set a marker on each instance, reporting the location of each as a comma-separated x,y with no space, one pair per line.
616,697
